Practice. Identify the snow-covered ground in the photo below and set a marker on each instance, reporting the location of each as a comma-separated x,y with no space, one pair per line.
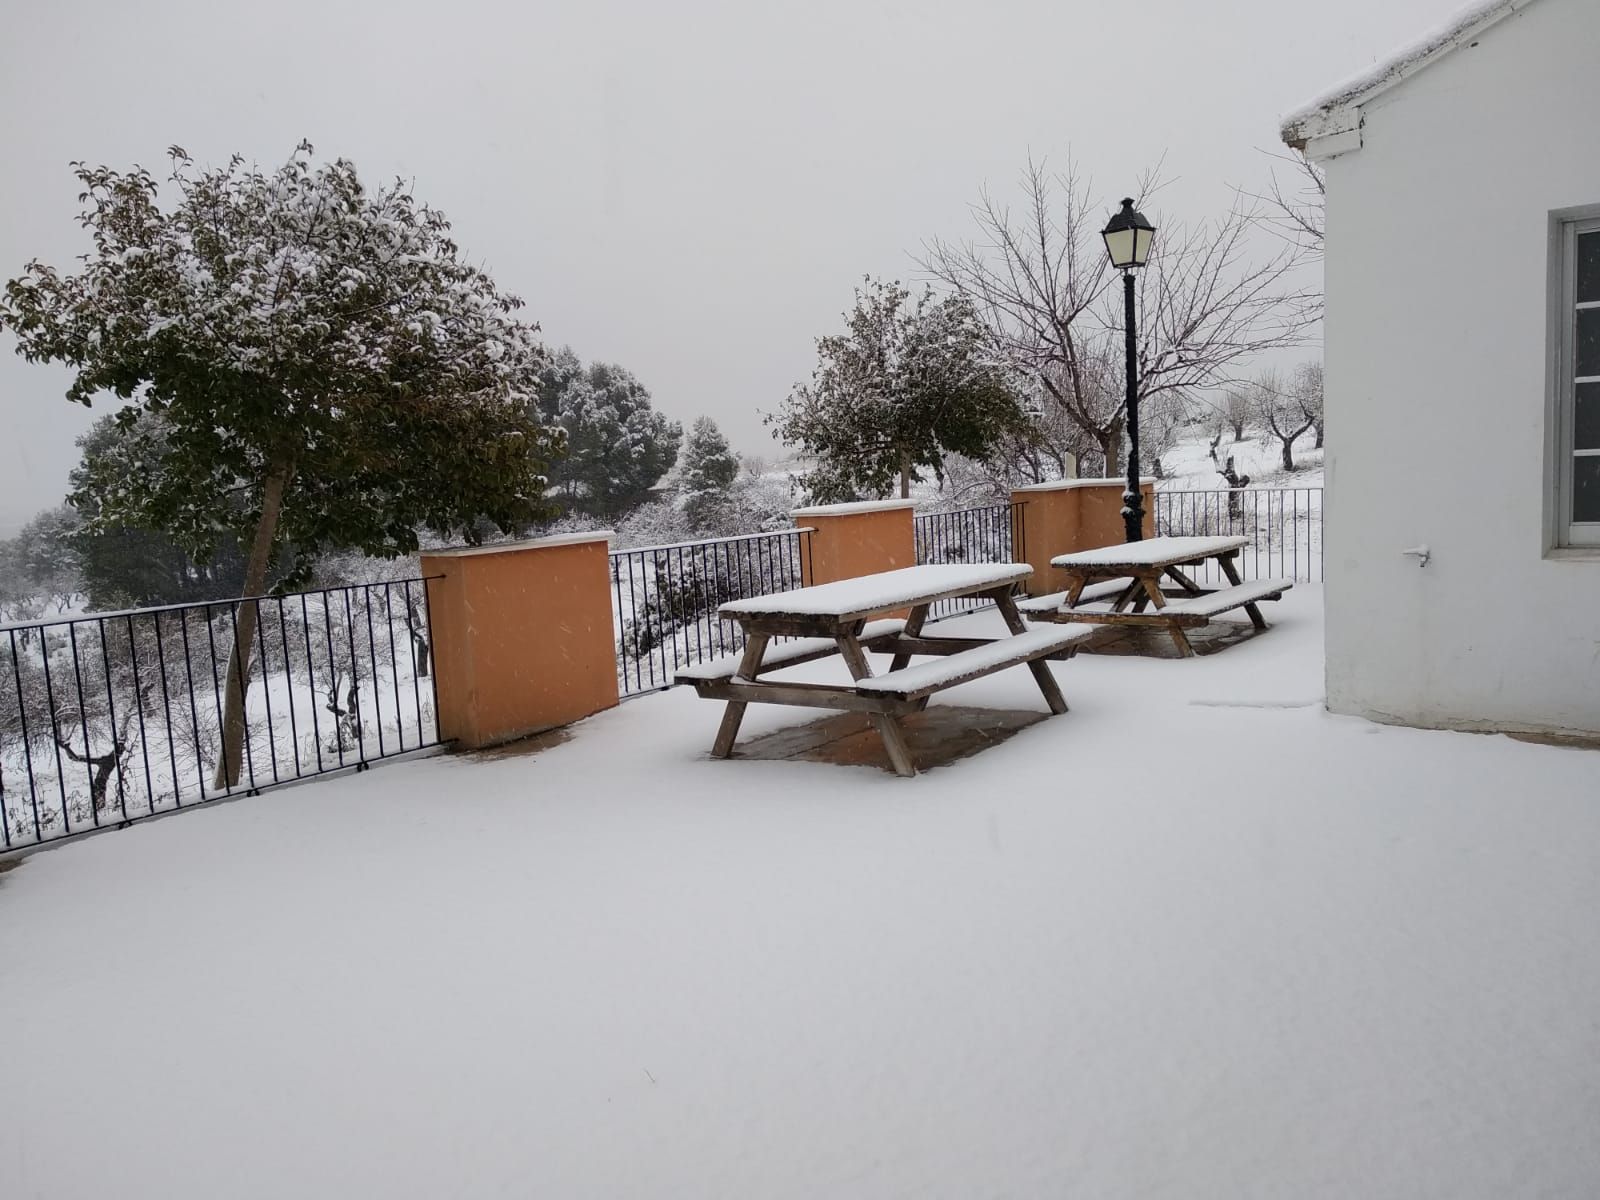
1188,465
1195,939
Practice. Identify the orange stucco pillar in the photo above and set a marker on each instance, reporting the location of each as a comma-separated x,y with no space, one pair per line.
850,540
523,636
1068,515
1100,511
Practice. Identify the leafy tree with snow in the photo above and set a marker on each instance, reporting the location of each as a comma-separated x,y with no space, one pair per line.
708,473
618,447
910,381
329,368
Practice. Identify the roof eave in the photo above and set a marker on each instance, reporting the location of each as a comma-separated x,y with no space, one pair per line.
1320,127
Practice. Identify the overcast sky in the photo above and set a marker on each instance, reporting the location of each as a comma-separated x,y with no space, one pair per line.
689,188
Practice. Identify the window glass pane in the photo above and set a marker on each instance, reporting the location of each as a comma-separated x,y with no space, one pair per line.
1589,266
1588,341
1586,487
1586,422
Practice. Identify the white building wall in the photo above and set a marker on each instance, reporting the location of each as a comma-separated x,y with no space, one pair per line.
1437,348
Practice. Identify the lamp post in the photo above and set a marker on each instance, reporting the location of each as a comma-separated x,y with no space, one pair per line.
1128,236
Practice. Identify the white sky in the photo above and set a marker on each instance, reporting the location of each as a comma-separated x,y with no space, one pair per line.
690,189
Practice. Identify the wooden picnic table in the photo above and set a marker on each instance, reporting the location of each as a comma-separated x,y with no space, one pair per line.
1129,576
838,618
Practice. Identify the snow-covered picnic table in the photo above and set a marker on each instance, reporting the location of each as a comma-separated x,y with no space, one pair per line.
837,618
1129,575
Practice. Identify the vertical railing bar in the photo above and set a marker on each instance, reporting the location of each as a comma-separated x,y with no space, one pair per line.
83,721
394,665
111,715
55,732
138,699
372,651
246,747
194,707
288,687
433,661
355,679
311,680
416,680
333,678
216,696
27,740
166,707
266,695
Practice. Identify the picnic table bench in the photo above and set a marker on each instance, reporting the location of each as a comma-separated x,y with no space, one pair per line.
1114,585
838,618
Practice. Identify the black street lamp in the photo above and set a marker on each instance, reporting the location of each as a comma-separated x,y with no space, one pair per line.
1128,236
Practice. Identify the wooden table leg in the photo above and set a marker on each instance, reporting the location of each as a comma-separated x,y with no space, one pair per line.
1152,589
913,629
733,715
894,738
1183,581
1232,572
1041,670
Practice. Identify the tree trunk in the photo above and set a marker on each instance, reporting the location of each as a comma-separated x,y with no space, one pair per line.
1318,428
416,625
1110,439
1288,453
244,627
905,476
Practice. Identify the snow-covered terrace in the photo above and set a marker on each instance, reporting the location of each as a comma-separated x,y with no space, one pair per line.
1195,939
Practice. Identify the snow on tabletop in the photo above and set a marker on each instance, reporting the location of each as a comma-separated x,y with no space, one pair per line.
851,507
1466,24
1149,552
1289,957
885,590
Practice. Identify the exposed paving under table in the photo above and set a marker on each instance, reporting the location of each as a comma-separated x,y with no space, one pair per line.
937,736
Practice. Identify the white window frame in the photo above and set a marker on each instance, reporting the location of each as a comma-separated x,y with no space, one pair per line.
1565,228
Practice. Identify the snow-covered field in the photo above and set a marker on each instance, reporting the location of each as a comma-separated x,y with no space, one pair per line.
1195,939
1188,464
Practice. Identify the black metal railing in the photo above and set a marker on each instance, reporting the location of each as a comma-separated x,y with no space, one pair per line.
1284,526
114,717
991,533
665,599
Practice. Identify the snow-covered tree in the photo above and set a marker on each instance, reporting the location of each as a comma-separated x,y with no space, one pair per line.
42,563
618,447
1306,387
909,382
707,473
331,369
1041,281
1280,411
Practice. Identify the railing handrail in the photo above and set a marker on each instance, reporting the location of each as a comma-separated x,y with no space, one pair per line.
736,537
955,512
1309,487
118,613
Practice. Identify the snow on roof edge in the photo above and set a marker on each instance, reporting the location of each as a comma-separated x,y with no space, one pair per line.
1321,115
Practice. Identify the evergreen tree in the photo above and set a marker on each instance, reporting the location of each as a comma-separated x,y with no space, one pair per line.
908,383
618,447
125,565
709,470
